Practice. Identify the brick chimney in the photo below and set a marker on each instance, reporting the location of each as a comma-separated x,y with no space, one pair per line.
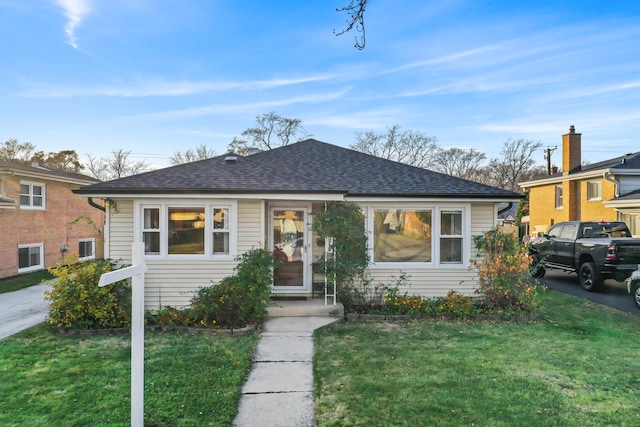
571,151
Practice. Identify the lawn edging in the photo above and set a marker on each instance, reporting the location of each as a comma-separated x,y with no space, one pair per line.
190,330
373,318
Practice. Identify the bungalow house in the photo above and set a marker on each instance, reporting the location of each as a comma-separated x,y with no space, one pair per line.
38,214
196,218
606,190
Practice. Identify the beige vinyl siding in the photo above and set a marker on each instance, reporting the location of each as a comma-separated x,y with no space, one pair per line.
174,282
250,224
438,280
430,282
121,231
483,218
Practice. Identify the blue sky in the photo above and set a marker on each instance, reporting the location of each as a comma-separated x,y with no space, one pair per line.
156,76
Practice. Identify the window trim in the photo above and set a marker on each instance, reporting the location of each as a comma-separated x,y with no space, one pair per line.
435,262
209,206
31,185
93,248
598,183
32,267
559,196
452,236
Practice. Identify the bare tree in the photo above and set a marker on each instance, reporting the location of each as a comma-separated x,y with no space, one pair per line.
271,131
14,150
460,162
189,155
117,166
516,164
355,9
411,147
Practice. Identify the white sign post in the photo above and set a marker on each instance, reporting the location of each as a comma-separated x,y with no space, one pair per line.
136,272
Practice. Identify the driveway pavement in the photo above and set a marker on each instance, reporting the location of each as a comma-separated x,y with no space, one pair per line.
22,309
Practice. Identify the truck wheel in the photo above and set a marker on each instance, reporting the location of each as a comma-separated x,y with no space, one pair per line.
590,277
636,294
536,268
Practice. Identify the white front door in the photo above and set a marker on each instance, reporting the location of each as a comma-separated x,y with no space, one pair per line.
290,243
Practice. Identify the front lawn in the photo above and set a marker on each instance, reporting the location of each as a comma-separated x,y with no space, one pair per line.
580,366
48,379
15,283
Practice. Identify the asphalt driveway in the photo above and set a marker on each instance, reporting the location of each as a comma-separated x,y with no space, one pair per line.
22,309
614,295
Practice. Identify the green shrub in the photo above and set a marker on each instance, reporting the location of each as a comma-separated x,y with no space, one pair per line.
503,273
456,304
76,301
169,316
240,299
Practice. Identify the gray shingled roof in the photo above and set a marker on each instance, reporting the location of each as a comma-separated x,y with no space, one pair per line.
626,162
39,170
307,166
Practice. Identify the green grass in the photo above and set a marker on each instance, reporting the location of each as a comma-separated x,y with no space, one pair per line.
15,283
47,379
580,366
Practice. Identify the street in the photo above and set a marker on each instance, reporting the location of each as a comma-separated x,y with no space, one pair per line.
614,295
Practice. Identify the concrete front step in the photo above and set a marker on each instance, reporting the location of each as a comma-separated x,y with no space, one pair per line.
304,308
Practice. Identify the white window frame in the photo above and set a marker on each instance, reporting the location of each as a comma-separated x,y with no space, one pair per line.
93,249
31,195
452,236
591,184
436,234
208,207
32,267
559,196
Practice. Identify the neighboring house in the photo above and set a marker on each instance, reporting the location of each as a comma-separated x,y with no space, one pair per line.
196,218
606,190
37,211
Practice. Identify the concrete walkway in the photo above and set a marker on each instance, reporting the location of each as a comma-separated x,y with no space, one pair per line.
22,309
279,390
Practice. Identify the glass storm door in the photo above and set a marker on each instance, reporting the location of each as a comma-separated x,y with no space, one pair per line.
289,246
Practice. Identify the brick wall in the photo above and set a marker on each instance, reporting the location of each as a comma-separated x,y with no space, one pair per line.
50,226
576,207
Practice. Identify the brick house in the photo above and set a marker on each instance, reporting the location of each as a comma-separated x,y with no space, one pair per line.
38,214
591,192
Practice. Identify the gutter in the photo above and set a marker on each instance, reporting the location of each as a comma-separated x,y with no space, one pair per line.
95,205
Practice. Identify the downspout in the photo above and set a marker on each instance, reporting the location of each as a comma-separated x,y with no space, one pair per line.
616,183
509,206
95,205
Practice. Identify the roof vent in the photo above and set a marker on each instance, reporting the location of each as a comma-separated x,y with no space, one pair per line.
231,159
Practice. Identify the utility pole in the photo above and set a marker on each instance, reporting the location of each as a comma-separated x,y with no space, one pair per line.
547,156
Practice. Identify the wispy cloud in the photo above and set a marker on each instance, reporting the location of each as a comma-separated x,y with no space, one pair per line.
379,118
75,11
231,108
158,87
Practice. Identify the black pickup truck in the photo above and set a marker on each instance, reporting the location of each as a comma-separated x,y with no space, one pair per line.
595,250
